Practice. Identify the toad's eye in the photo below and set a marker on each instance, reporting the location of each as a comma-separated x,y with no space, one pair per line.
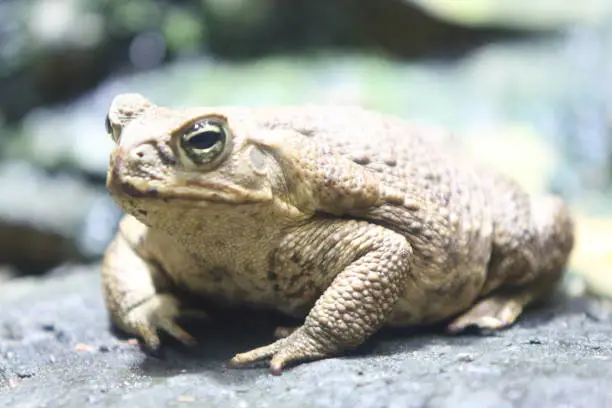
205,141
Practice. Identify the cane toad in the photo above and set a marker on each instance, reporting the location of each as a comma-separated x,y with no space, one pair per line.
347,218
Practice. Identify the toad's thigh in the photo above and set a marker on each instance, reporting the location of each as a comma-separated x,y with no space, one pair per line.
439,296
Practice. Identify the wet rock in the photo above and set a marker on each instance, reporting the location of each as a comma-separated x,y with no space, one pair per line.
599,310
572,367
372,25
7,272
464,357
54,50
32,250
42,217
51,50
538,14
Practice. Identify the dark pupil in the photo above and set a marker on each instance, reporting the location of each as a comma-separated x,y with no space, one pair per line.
204,140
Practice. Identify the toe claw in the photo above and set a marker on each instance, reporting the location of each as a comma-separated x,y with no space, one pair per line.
149,336
152,347
160,312
298,346
276,367
178,333
240,360
255,355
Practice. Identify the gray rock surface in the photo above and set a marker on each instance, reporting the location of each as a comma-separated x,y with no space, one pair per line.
56,350
49,218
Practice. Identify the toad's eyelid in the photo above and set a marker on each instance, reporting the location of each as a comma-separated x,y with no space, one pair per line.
205,127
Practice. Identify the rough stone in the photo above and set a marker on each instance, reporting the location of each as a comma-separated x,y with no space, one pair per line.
47,219
65,355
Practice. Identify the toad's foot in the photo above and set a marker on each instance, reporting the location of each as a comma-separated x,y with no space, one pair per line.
299,345
159,312
491,313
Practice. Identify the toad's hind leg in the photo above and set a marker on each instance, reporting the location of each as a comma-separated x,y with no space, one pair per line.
370,265
493,312
525,266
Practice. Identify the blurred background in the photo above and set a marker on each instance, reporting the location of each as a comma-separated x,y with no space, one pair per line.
525,84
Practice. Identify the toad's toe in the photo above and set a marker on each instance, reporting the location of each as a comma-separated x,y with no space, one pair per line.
296,347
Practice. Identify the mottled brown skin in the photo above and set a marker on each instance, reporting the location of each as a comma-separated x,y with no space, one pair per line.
351,219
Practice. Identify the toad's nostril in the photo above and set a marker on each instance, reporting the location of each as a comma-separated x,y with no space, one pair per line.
144,152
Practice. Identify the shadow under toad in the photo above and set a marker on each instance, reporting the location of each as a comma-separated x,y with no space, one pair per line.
234,331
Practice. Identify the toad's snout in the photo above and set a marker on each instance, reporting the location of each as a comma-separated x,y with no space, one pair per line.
132,168
143,152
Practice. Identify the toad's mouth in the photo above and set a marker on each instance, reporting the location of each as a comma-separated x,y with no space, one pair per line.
145,185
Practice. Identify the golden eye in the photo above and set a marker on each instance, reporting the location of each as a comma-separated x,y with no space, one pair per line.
204,141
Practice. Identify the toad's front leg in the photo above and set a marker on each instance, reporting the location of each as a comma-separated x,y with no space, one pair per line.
136,290
375,271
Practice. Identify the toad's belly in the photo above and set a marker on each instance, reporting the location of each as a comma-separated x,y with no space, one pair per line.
255,282
430,305
224,289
